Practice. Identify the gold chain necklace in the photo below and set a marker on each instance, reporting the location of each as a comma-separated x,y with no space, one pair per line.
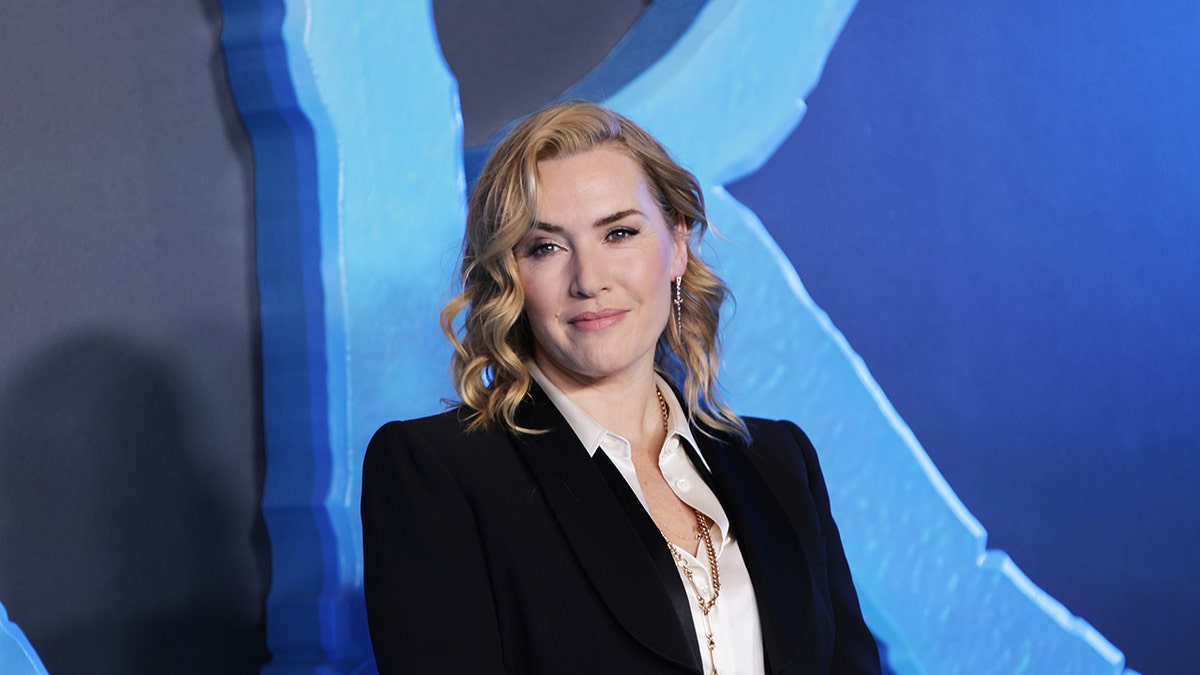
703,523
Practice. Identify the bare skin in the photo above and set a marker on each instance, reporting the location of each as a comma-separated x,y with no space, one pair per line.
674,518
596,272
637,418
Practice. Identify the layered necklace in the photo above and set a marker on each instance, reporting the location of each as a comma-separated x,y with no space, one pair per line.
703,523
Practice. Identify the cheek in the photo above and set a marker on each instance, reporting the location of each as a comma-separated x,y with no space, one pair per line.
537,299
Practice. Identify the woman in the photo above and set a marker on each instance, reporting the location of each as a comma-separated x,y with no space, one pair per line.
593,506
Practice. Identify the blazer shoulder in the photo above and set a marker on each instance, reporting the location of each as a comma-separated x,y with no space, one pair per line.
764,430
443,436
444,424
783,445
448,422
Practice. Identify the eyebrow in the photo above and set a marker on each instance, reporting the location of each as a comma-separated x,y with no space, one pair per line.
606,220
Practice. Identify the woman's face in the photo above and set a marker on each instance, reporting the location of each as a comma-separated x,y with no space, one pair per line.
597,269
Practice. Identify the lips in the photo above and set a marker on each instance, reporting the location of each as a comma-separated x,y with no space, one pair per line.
598,320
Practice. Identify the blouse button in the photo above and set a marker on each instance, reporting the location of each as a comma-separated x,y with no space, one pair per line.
683,485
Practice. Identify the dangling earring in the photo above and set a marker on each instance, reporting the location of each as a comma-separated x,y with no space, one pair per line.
679,307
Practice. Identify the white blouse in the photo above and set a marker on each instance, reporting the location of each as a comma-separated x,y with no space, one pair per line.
737,633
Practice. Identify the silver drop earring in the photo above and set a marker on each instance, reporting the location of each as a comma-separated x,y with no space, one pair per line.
679,307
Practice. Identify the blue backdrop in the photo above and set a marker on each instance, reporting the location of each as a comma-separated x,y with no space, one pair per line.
990,205
997,204
360,202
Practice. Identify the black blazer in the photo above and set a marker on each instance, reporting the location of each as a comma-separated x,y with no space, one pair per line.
492,552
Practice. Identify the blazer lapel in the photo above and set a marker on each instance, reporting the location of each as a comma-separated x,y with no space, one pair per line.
652,540
773,554
595,524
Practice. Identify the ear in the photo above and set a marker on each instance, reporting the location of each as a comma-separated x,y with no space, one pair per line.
679,256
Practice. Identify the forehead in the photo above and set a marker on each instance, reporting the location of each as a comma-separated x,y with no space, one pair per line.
602,177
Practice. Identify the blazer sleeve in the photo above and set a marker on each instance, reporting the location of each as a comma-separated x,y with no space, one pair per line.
854,649
428,595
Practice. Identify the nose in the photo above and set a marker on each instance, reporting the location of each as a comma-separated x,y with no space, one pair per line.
589,273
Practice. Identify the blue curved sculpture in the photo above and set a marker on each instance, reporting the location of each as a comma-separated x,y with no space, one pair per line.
357,140
17,656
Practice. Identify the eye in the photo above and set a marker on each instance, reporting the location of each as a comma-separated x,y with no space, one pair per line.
621,234
541,249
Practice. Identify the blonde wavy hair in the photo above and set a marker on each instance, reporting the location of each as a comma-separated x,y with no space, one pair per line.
495,336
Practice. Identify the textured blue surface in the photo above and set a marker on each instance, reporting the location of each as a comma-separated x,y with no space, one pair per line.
357,144
940,602
1015,195
304,614
357,139
16,654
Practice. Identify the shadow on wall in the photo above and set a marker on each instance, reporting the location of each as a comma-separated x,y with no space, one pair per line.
104,507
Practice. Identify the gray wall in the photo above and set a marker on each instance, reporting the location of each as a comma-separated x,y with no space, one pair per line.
511,58
131,453
130,442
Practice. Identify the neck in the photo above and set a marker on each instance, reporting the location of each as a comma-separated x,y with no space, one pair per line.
626,405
